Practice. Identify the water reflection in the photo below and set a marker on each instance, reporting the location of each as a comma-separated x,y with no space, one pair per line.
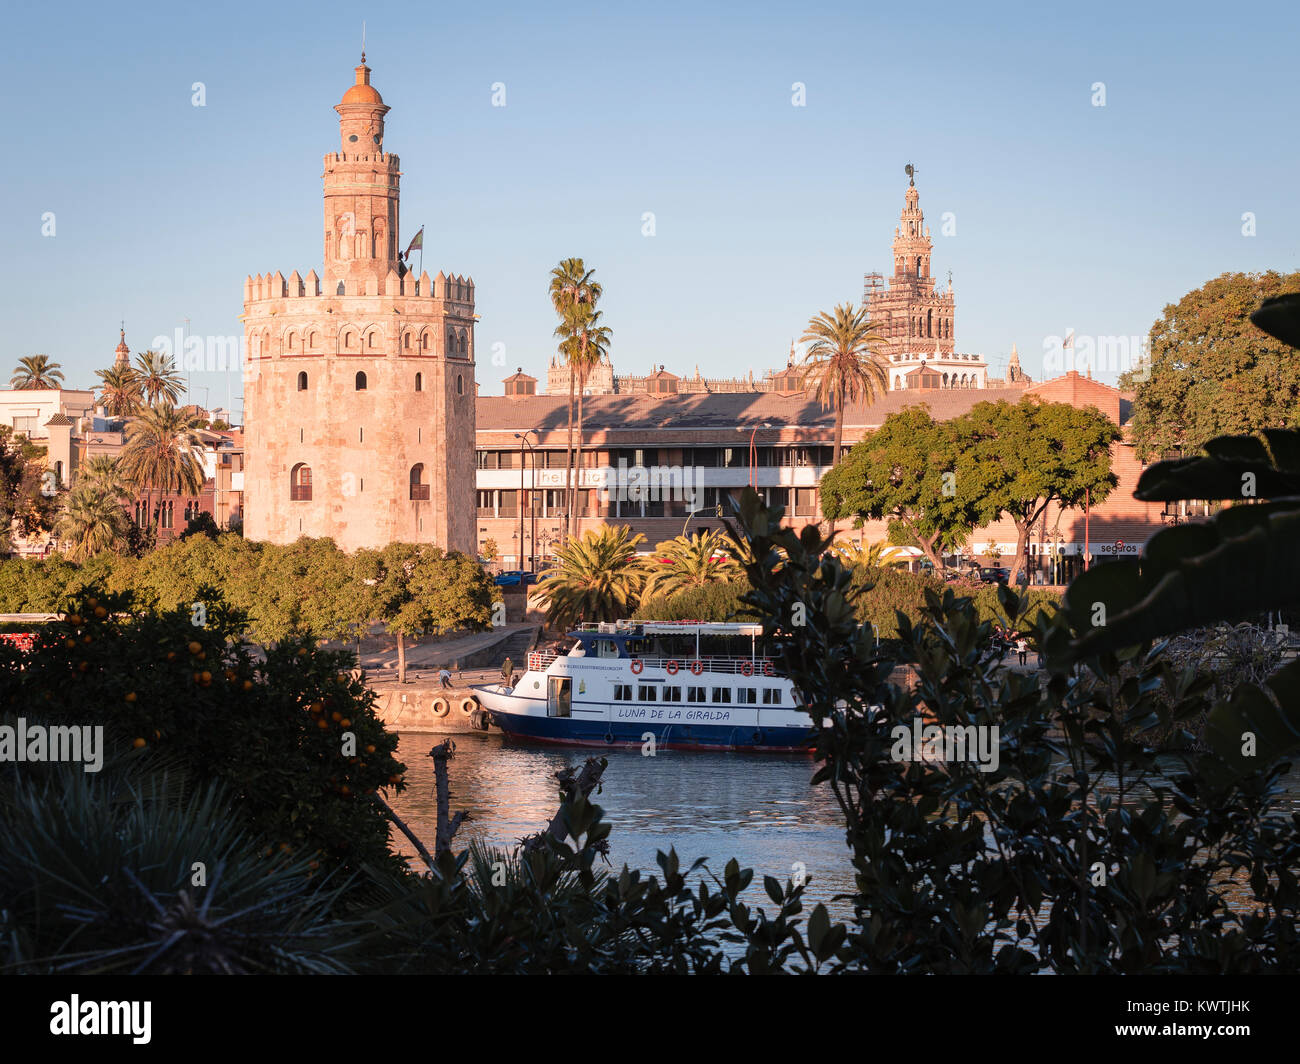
758,808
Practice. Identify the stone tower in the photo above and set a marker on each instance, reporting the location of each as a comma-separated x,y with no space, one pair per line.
359,385
122,353
910,314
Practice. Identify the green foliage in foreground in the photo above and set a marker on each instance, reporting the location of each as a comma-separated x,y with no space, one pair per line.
1082,853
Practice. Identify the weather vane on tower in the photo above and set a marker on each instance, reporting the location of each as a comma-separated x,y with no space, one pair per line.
910,171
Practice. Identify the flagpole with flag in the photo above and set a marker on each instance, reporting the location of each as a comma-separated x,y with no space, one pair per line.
417,243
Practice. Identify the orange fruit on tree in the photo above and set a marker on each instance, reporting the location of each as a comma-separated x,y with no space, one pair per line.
130,696
345,723
92,602
370,749
100,612
85,639
205,676
316,707
322,723
74,618
70,643
171,655
195,646
139,742
302,652
84,666
336,715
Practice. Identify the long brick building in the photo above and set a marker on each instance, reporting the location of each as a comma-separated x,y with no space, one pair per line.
706,437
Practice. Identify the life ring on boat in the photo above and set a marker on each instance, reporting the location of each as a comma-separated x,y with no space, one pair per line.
697,666
441,707
757,737
767,669
609,738
468,705
672,668
637,665
747,668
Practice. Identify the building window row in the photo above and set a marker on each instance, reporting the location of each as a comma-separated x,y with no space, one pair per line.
300,484
707,457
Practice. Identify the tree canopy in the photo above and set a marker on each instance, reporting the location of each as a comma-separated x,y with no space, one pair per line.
1212,372
1014,460
904,472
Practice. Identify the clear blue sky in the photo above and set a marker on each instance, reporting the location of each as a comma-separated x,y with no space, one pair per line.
1067,214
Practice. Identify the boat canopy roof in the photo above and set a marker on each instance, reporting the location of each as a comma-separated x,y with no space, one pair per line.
644,628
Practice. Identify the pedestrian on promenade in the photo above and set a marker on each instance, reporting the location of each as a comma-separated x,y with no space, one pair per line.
1022,649
445,677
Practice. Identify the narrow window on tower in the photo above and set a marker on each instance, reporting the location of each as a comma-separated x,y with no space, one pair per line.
300,431
302,382
460,384
419,382
361,435
361,382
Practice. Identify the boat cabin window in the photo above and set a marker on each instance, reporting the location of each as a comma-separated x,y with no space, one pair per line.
578,650
606,648
646,693
747,696
695,694
622,692
771,696
722,694
672,694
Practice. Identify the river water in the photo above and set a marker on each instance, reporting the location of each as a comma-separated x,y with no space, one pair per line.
758,808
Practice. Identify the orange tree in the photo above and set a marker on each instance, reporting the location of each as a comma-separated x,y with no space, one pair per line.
287,727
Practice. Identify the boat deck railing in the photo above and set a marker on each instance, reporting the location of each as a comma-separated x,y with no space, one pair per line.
540,659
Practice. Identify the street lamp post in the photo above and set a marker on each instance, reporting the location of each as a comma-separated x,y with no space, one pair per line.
753,453
522,437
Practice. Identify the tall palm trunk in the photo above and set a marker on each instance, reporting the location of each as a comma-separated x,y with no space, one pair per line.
401,658
577,458
838,447
568,459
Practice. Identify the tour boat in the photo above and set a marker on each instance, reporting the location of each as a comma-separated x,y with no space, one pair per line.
689,685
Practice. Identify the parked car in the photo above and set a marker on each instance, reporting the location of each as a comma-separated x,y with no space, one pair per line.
515,578
995,574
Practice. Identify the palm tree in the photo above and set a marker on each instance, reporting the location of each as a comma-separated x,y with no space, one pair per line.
121,392
877,555
162,454
841,365
689,562
104,472
596,577
585,342
572,292
92,520
36,372
158,377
